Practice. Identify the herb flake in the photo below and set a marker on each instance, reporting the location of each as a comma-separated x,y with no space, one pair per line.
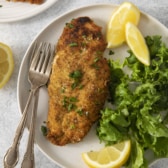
76,76
44,130
73,44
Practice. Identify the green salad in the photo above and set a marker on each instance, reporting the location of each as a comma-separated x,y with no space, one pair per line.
140,105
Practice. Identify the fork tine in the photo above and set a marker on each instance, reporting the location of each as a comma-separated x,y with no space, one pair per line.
42,57
47,56
36,57
49,65
33,52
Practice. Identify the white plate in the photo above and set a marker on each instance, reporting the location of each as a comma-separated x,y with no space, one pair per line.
66,155
15,11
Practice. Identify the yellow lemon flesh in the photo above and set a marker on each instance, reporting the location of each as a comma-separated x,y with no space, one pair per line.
137,44
6,64
109,157
126,12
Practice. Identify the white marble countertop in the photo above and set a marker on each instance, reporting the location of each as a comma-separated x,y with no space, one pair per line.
18,35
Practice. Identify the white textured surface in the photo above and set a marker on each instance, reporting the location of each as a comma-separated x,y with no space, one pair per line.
18,35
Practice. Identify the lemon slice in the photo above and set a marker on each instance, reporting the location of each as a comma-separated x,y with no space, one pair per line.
126,12
6,64
137,44
109,157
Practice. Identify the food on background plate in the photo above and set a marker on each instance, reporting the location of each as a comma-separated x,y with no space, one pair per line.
30,1
78,83
126,12
6,64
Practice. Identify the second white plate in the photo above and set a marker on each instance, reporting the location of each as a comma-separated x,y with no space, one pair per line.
15,11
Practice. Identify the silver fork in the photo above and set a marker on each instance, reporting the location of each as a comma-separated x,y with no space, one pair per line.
39,72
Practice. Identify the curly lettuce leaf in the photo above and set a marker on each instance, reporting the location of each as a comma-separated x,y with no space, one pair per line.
136,159
113,127
138,112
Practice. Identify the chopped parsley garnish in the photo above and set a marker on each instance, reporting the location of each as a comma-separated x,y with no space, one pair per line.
72,126
94,65
73,99
99,53
96,59
74,85
71,106
83,44
70,25
76,76
84,36
73,44
63,89
111,52
64,102
69,103
44,130
79,111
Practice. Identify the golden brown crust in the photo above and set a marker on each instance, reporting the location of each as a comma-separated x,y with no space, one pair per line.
78,83
30,1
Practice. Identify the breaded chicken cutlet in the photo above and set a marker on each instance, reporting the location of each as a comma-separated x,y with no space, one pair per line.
78,82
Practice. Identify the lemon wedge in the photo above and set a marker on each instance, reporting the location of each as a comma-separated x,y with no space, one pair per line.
137,44
109,157
126,12
6,64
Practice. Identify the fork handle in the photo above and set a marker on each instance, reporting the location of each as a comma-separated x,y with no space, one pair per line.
12,154
28,159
